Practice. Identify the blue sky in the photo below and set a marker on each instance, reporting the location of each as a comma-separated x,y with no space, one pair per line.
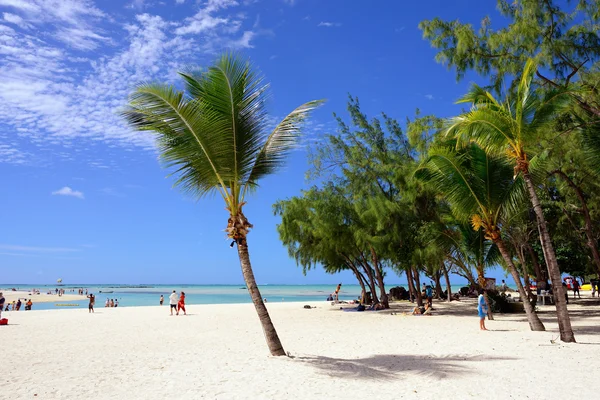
84,198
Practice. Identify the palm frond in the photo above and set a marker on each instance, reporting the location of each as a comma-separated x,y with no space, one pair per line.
281,140
186,135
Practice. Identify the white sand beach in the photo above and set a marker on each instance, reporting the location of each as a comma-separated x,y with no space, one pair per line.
11,296
218,352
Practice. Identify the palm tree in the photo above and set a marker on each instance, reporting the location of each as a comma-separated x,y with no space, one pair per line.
513,128
213,134
481,190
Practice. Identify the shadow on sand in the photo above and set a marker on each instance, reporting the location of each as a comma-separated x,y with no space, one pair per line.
392,366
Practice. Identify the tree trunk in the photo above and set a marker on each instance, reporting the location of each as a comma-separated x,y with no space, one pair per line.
534,321
438,284
540,273
263,314
371,282
562,314
360,282
383,297
411,289
448,287
417,279
521,256
589,233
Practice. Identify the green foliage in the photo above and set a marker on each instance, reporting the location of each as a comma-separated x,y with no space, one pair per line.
563,39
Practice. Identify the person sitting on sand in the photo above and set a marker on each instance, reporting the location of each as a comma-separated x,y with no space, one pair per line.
28,305
112,302
482,309
107,304
116,302
92,302
181,304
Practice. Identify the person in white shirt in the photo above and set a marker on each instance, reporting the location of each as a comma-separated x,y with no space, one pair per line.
173,301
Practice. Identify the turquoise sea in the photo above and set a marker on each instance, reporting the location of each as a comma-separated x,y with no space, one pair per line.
149,294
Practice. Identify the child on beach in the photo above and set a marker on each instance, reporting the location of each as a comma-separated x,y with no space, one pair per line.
481,309
162,299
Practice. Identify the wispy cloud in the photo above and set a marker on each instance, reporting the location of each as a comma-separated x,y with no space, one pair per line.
67,191
429,97
65,87
329,24
35,249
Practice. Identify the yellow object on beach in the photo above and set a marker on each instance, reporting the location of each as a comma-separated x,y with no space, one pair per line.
586,286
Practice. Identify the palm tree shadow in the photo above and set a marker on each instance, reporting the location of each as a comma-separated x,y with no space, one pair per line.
392,366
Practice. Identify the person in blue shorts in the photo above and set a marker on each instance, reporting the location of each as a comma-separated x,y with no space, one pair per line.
482,309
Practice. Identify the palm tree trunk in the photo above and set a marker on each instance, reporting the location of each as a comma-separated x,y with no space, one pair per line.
534,321
562,314
263,314
449,288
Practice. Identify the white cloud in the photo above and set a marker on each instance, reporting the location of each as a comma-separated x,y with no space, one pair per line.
179,1
429,97
12,18
67,191
330,24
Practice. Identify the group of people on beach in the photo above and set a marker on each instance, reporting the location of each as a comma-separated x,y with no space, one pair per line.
111,302
176,303
15,305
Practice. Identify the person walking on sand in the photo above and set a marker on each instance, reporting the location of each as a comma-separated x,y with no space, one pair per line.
337,292
162,299
576,288
92,301
481,309
181,304
173,301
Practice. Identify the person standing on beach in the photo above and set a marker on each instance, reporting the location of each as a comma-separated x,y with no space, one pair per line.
337,292
181,304
429,295
173,301
2,300
92,301
162,299
504,286
481,309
